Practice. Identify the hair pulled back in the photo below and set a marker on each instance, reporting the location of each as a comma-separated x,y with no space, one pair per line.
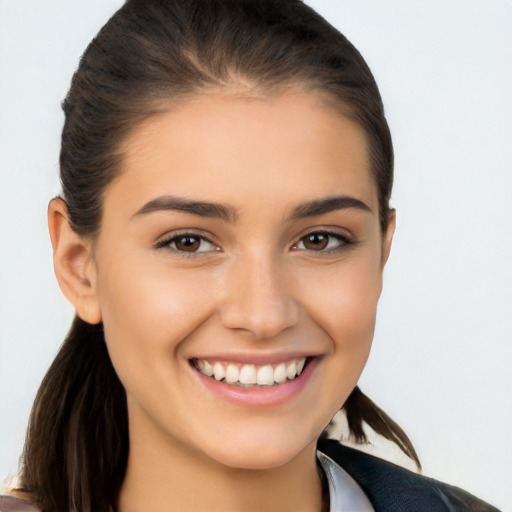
150,55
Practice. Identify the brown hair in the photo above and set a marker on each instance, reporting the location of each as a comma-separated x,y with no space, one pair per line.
150,54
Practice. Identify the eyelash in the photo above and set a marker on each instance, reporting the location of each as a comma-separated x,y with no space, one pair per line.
342,239
167,242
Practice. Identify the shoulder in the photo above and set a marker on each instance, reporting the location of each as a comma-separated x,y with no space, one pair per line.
10,503
391,488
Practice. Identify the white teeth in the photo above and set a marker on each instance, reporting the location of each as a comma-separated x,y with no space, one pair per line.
280,373
218,371
248,374
232,373
207,368
265,376
291,370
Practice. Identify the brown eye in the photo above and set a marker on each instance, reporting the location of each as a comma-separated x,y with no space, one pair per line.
316,241
323,242
187,243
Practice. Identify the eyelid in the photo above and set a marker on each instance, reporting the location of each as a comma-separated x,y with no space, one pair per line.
164,241
344,238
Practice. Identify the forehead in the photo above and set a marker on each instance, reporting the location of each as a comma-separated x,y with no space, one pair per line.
238,148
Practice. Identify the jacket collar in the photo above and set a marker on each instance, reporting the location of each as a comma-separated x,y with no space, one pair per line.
389,487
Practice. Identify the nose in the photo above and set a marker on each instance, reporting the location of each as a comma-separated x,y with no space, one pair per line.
258,298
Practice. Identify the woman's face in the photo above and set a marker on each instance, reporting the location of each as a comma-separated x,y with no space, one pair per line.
242,237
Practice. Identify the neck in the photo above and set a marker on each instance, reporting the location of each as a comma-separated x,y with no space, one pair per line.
167,477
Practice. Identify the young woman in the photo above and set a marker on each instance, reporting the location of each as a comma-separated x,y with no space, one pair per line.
222,233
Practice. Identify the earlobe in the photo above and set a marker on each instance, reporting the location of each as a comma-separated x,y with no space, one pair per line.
73,263
387,239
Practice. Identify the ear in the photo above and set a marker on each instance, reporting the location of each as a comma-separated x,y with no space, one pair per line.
387,239
73,263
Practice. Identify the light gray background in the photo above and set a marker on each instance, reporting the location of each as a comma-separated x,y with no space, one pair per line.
442,358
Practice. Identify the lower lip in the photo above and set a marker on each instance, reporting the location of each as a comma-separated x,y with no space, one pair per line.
263,396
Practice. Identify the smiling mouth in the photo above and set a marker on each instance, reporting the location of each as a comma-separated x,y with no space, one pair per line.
251,375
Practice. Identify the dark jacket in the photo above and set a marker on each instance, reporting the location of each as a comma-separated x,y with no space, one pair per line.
391,488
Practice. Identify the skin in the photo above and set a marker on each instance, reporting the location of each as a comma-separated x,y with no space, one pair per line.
257,287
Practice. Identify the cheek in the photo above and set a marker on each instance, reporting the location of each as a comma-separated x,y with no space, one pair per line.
148,309
344,306
351,325
344,303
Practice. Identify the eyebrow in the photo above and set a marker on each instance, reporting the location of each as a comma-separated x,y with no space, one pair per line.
229,213
326,205
181,204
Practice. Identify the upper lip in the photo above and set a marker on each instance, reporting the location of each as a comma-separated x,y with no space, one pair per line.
256,358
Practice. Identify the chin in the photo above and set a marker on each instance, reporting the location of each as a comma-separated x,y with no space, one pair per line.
262,452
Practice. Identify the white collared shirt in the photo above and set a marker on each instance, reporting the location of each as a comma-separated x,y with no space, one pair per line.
345,495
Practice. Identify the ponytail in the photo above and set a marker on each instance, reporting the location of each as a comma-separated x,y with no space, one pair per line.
76,449
360,410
